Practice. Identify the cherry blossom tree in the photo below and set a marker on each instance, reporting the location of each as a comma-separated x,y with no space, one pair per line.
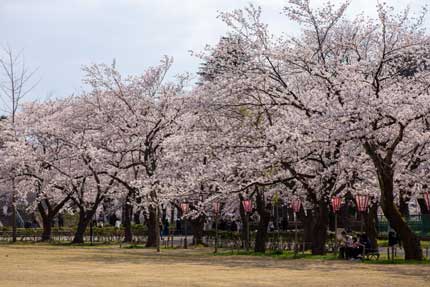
318,95
31,156
373,94
254,103
139,113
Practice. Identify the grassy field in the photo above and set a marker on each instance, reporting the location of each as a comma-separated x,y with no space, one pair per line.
45,265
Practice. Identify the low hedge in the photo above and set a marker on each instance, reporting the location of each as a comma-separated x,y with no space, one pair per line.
271,236
106,231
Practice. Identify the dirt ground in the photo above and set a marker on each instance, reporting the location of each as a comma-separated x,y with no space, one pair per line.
59,266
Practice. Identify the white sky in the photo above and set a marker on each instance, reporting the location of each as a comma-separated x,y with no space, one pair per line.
59,36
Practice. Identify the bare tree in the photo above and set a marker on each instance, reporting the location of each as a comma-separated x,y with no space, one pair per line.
16,81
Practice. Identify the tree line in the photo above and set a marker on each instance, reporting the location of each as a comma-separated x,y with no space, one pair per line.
340,109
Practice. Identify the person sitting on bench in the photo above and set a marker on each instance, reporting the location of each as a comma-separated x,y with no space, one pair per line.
343,245
356,249
365,241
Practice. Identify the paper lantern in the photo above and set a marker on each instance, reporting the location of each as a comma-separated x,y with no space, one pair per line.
185,207
247,205
216,207
336,202
296,204
362,202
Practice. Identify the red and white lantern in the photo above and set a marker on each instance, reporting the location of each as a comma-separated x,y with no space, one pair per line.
427,200
185,207
216,206
296,204
362,202
336,202
247,205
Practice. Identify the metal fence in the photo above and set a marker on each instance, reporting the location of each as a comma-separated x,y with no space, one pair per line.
420,224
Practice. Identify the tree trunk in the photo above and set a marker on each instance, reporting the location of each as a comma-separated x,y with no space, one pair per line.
320,226
47,222
403,206
371,220
410,240
128,212
315,227
136,217
157,228
261,237
197,226
244,220
152,224
60,220
13,211
84,220
385,172
307,223
48,213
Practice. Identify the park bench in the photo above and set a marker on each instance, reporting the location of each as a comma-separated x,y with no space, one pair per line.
370,254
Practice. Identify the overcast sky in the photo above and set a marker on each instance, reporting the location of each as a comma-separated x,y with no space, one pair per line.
59,36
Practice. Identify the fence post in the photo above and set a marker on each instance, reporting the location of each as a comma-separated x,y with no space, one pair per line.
388,253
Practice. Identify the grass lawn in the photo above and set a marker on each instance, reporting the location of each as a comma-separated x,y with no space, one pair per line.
47,265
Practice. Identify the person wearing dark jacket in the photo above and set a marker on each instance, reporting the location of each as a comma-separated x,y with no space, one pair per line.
392,238
364,240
